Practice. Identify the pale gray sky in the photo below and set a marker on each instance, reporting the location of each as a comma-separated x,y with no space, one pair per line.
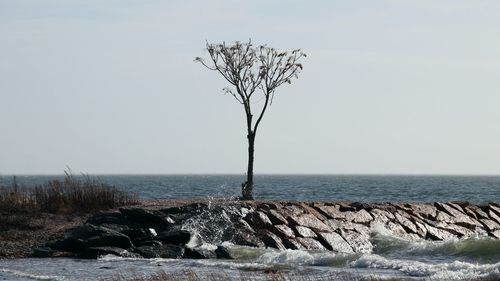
394,86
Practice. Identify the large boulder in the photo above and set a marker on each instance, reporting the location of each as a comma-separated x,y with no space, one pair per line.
167,251
174,237
309,221
334,242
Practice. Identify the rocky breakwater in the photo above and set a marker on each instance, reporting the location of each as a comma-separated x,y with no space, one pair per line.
199,230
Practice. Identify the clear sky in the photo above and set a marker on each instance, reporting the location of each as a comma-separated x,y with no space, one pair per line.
392,87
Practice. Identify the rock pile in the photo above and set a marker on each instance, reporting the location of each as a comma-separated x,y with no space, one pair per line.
345,227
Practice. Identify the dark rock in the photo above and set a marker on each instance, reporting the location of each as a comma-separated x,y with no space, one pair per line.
174,237
346,207
111,219
334,242
165,251
147,218
271,240
185,209
198,253
223,253
42,252
310,221
310,243
305,232
138,234
154,243
96,252
479,212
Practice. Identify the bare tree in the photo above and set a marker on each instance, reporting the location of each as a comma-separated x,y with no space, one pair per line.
251,70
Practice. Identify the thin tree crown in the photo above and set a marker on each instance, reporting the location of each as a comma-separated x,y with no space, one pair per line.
252,69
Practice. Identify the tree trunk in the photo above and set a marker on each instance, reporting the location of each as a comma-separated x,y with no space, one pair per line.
247,187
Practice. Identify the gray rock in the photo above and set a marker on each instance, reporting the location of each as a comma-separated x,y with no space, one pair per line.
271,240
291,243
494,216
96,252
489,224
310,243
495,209
282,230
334,242
457,217
409,226
330,212
359,242
276,218
361,216
423,211
381,216
438,234
495,234
305,232
259,220
310,221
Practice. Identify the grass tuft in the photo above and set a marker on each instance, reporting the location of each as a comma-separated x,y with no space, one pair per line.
68,195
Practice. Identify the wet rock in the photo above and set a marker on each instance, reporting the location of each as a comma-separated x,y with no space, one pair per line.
42,252
310,221
223,253
146,218
310,243
96,252
438,234
90,235
361,216
276,218
271,240
395,228
246,238
282,230
165,251
154,243
175,237
185,209
334,242
346,207
359,242
489,224
198,253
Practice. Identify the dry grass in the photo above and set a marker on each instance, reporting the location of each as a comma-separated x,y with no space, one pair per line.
68,195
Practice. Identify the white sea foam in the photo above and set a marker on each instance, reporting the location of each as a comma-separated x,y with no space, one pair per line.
452,270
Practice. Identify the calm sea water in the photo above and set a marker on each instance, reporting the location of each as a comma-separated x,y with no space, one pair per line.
477,189
390,258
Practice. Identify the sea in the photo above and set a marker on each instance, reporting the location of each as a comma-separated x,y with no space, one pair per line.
391,259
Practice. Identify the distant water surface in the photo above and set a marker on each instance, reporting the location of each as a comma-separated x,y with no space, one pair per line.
369,188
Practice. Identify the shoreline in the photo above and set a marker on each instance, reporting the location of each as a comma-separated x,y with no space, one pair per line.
276,224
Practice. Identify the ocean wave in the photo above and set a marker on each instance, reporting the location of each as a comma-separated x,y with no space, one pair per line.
455,270
19,273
